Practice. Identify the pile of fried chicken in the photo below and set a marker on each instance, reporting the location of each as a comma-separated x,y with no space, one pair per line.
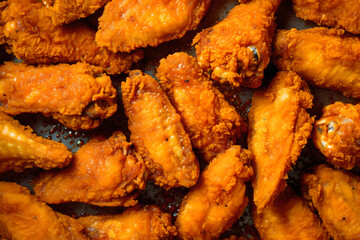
179,119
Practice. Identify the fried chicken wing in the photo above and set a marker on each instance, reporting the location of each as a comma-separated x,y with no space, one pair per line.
66,11
323,57
288,218
127,25
157,132
238,48
32,37
104,172
78,95
20,148
335,13
212,123
218,199
278,130
23,217
135,223
337,134
336,196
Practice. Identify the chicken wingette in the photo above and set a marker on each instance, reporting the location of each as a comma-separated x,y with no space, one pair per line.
157,132
104,172
20,148
80,96
279,127
323,57
211,122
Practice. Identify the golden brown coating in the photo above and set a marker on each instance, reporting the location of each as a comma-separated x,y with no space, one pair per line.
238,48
337,134
336,196
136,223
104,172
288,218
78,95
323,57
66,11
157,132
211,122
335,13
218,199
127,25
23,217
32,37
278,130
20,148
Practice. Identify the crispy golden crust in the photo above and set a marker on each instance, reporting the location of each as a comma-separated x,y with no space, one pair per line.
336,196
66,11
127,25
23,217
78,95
20,148
335,13
208,118
157,132
288,218
32,37
323,57
104,172
337,134
218,199
238,48
147,222
278,130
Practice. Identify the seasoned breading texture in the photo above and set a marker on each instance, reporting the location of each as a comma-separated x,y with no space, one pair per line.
78,95
157,132
66,11
32,37
137,223
337,134
218,199
288,218
127,25
336,196
20,148
278,130
335,13
238,48
104,172
23,217
211,122
323,57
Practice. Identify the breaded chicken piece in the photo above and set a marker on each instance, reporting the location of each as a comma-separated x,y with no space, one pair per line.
278,130
23,217
78,95
335,13
32,37
218,199
104,172
288,218
66,11
336,196
20,148
337,134
136,223
157,132
130,24
211,122
238,48
325,58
